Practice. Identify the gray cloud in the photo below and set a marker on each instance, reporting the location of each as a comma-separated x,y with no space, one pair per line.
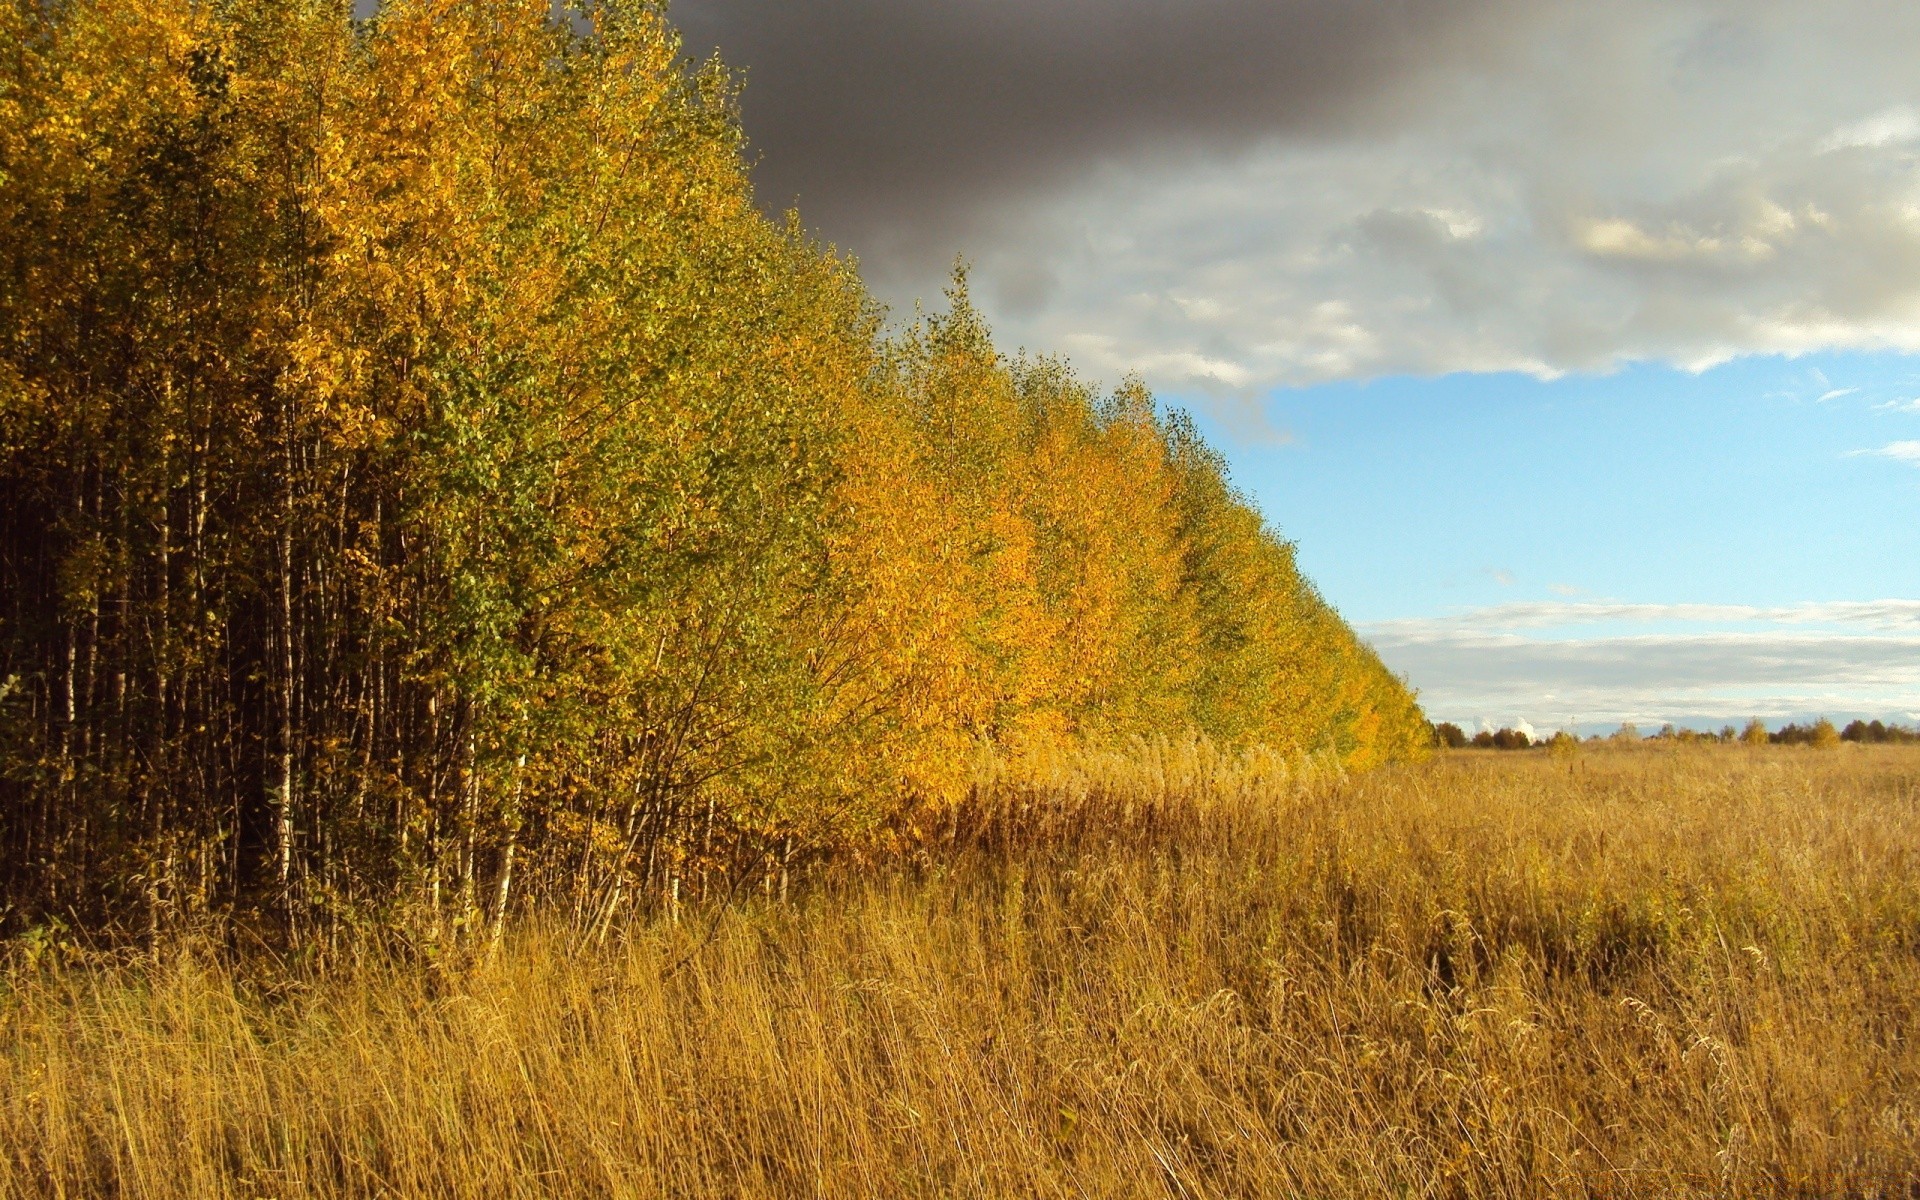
1706,662
894,122
1231,194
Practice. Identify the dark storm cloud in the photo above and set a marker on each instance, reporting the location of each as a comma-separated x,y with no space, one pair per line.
888,120
1228,195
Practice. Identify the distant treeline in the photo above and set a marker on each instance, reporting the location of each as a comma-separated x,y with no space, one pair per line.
1874,733
1447,735
431,486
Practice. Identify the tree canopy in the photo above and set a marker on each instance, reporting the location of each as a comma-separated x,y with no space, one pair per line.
431,481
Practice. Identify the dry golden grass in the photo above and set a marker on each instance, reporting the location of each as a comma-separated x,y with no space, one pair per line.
1623,973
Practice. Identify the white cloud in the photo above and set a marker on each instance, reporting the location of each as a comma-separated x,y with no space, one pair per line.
1894,125
1558,663
1890,615
1908,451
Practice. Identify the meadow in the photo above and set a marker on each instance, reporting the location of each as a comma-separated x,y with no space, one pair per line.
520,677
1685,971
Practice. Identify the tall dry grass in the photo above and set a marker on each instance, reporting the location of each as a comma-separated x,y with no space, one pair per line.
1172,973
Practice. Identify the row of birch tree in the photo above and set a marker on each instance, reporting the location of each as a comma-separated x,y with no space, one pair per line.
429,486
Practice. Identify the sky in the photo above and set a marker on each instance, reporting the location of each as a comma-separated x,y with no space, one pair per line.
1576,345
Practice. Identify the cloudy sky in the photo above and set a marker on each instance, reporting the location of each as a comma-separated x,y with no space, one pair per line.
1492,303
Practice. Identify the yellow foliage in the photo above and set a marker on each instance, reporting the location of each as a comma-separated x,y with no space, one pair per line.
428,460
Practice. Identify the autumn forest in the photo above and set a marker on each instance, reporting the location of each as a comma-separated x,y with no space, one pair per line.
434,491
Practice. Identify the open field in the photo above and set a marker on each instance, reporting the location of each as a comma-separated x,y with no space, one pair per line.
1625,972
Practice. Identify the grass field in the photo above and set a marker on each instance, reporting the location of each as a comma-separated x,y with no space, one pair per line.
1624,972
